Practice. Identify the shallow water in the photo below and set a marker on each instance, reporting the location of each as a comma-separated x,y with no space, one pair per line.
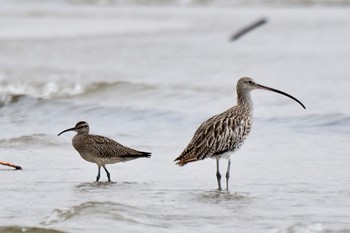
147,77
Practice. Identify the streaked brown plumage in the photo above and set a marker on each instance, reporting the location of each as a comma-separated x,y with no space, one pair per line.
101,150
223,134
219,134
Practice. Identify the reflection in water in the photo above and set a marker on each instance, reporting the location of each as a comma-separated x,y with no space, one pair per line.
92,185
216,196
105,185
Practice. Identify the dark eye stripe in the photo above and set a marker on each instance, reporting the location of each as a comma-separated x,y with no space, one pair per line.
82,125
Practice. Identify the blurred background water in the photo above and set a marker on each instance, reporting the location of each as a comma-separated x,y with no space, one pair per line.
147,73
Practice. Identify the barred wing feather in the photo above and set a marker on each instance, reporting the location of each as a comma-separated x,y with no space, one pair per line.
219,134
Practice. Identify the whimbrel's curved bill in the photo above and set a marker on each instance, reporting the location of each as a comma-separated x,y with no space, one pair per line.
70,129
280,92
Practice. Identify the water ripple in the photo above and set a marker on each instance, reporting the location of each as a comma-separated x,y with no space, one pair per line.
337,122
116,211
309,228
224,196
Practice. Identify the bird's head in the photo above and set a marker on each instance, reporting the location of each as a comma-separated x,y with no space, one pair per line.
245,85
81,127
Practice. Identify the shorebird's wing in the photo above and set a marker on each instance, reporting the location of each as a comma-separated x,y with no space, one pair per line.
107,147
219,134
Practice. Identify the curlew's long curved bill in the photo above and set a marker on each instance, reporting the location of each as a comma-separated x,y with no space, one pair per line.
71,129
280,92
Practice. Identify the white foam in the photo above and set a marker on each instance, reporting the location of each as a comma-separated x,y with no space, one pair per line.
42,90
302,228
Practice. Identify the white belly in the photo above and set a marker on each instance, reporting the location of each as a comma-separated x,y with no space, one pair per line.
225,155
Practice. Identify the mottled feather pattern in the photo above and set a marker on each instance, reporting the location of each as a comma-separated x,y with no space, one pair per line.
221,133
101,150
95,147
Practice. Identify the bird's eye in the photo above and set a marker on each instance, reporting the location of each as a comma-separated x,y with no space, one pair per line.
251,82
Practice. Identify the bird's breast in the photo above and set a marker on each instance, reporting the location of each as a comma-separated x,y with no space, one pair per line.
240,132
80,144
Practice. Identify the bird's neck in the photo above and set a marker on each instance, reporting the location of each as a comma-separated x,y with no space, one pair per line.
83,133
245,100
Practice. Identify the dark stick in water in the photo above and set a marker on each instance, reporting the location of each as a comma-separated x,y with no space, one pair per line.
248,28
10,165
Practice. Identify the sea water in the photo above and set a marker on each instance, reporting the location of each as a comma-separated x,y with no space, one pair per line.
147,76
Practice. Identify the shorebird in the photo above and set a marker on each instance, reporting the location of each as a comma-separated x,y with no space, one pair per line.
221,135
101,150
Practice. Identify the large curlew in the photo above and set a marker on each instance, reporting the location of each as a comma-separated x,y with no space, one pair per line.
221,135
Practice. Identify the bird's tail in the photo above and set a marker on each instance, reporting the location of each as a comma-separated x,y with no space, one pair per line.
146,154
181,161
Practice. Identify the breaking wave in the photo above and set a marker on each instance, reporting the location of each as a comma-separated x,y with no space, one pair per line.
13,92
110,210
26,141
20,229
48,90
309,228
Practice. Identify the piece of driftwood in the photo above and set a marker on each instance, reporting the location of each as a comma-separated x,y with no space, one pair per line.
10,165
248,28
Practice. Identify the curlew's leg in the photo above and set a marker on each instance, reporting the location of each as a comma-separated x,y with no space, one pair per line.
218,175
108,175
228,173
98,173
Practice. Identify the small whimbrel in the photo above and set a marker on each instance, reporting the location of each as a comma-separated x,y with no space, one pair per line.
101,150
221,135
